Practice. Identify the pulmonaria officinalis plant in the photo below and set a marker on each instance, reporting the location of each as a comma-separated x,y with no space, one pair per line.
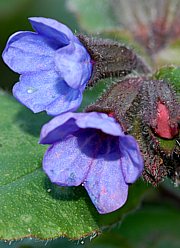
91,149
97,150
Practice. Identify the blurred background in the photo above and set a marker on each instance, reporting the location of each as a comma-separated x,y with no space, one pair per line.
150,27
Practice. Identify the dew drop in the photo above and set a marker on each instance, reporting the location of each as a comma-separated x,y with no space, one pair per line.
31,90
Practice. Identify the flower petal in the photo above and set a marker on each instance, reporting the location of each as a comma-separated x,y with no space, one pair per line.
27,52
38,91
131,159
105,184
52,29
70,100
74,65
100,121
65,163
61,126
58,128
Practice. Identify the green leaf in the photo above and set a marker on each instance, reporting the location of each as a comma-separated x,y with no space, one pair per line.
170,74
154,226
92,93
30,205
92,15
167,145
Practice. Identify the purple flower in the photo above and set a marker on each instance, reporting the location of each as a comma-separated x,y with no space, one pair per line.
91,149
54,66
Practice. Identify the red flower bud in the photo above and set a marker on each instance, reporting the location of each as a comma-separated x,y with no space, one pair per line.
164,128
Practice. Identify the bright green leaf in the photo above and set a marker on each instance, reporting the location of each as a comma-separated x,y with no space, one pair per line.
91,94
170,74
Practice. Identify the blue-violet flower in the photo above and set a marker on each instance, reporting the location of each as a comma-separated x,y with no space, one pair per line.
91,149
54,66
